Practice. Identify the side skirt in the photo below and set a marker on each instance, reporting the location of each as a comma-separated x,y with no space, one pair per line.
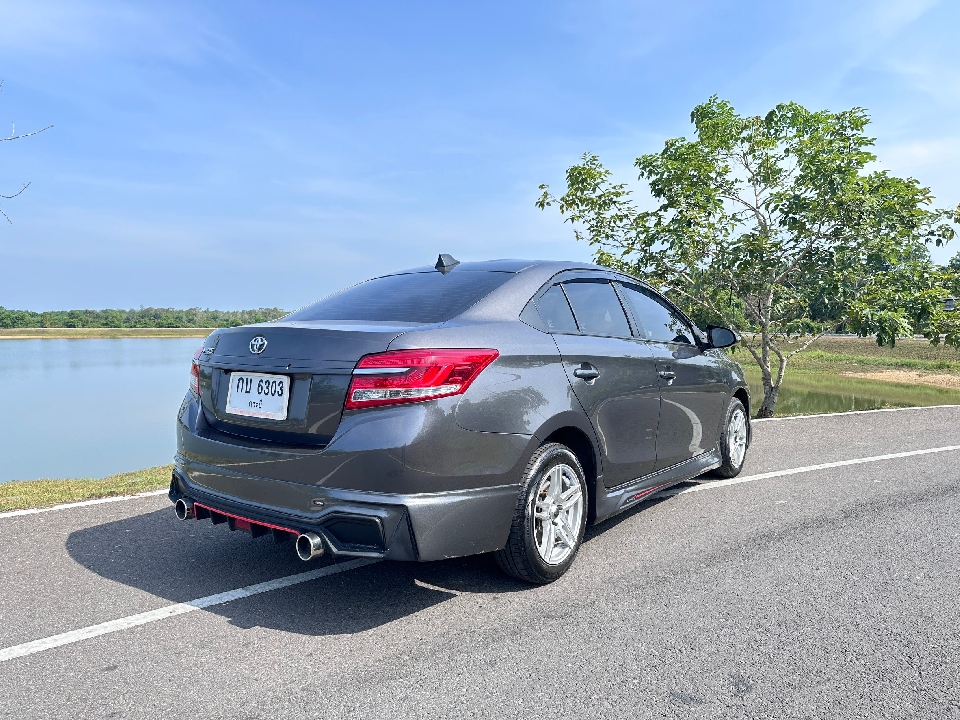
615,500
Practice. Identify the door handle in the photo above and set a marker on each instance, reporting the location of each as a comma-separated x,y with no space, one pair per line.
667,374
586,372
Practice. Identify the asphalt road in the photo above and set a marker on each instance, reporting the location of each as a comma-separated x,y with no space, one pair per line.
822,594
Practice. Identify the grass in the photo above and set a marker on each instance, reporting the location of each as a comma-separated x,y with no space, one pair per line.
852,354
26,494
73,333
815,359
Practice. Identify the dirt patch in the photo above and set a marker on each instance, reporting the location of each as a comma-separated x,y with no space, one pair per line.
910,377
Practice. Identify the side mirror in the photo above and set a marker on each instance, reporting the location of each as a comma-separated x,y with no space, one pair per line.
721,337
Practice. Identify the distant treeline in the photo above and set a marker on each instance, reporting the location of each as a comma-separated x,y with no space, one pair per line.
142,318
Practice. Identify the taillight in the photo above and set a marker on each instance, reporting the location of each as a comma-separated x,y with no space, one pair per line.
404,376
195,372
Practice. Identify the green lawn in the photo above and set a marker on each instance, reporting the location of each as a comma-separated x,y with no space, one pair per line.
853,353
21,495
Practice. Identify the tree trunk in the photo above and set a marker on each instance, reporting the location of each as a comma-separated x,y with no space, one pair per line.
769,401
771,387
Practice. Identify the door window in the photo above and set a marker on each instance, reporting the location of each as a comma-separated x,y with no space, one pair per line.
597,307
555,312
656,321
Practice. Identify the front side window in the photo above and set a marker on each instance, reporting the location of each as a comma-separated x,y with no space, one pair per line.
657,322
597,307
555,311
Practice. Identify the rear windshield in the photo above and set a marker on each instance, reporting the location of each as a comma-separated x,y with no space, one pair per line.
430,297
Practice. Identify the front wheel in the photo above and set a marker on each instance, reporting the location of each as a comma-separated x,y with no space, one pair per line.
733,444
550,519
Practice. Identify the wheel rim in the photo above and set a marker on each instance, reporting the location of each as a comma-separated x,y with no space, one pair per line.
737,437
558,512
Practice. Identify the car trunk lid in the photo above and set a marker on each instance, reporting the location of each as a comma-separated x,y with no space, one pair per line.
318,359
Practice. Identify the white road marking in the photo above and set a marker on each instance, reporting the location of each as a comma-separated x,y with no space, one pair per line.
711,484
84,503
112,626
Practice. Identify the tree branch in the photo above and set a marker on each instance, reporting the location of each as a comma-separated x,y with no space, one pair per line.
13,136
11,197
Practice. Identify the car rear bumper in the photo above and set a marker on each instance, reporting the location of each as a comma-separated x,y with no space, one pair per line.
400,483
422,526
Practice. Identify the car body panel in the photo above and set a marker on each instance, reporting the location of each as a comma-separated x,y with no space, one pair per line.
623,403
441,478
692,404
404,449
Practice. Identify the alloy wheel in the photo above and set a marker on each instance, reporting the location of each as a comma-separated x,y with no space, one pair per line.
737,437
558,512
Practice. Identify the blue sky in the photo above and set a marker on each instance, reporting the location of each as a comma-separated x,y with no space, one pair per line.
245,154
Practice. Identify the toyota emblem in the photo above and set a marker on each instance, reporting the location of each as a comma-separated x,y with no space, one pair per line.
258,344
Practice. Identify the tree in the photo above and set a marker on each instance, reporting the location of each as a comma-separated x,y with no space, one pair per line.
954,263
14,136
774,227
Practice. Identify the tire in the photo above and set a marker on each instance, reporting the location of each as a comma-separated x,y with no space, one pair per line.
553,489
733,441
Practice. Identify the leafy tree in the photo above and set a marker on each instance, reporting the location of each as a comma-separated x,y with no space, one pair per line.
773,226
954,263
142,318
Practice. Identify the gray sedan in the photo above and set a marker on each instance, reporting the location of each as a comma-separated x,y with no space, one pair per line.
457,409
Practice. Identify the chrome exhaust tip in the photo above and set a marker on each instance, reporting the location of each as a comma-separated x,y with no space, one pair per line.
309,546
184,509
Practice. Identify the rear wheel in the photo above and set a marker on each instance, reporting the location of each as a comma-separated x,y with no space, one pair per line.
733,444
550,519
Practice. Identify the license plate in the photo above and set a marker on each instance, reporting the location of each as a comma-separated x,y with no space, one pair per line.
258,395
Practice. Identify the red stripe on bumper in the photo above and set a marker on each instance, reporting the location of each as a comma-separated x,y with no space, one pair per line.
245,523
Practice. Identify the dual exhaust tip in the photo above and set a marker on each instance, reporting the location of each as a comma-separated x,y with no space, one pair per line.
184,509
309,545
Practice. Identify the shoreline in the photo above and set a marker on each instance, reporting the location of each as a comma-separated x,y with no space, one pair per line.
100,333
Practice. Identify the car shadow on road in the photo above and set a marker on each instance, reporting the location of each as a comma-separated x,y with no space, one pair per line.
183,561
178,561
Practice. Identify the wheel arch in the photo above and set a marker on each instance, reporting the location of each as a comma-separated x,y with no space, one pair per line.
580,443
743,395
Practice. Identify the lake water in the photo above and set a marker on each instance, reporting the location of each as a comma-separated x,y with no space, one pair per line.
806,393
90,408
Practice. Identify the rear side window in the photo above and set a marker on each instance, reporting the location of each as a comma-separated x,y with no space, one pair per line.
429,297
555,311
657,322
597,307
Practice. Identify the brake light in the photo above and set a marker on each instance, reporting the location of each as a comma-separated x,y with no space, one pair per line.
195,373
404,376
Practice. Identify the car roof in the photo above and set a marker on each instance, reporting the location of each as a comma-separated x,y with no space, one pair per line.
505,265
507,301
